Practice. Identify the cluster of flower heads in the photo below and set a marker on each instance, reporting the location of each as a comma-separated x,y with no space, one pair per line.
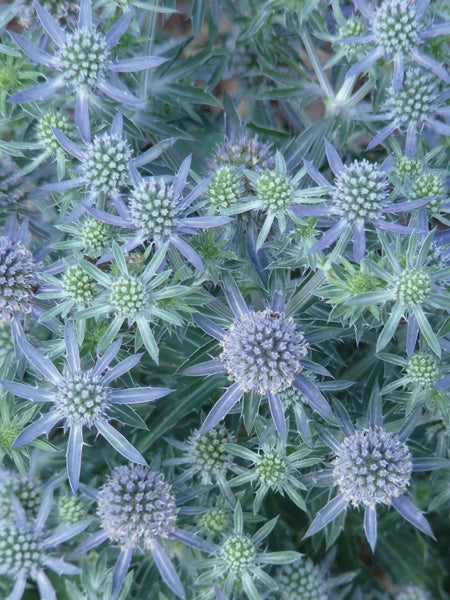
138,255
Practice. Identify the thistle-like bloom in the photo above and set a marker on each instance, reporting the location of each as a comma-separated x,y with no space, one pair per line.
133,298
372,466
82,58
424,373
80,398
18,272
397,30
303,580
25,489
205,455
159,214
412,287
240,563
90,236
105,165
26,549
360,195
138,510
275,194
262,352
411,108
243,151
273,468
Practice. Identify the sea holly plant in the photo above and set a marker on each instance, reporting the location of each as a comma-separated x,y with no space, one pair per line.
414,287
372,466
138,511
80,398
243,204
240,563
158,214
397,30
27,549
263,352
360,195
133,298
82,60
105,165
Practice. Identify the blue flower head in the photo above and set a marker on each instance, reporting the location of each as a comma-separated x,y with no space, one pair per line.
80,398
83,62
397,30
138,511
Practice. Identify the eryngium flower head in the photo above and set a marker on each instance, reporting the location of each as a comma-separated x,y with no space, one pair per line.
44,130
105,163
415,101
302,580
395,27
412,287
423,370
77,285
353,26
25,549
226,187
82,57
238,553
127,296
360,191
207,452
26,491
81,399
275,190
405,166
20,549
244,151
413,592
262,351
71,509
373,466
272,468
215,521
429,184
136,505
95,236
153,208
18,278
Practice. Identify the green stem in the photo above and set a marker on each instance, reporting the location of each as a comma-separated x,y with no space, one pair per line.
317,66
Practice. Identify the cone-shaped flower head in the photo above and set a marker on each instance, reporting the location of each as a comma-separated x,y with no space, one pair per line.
44,130
95,236
105,163
275,190
244,151
136,505
215,521
373,466
26,549
71,509
396,27
208,454
360,191
226,187
24,489
83,56
238,553
77,285
302,580
423,370
153,208
415,101
429,184
413,287
262,351
81,398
